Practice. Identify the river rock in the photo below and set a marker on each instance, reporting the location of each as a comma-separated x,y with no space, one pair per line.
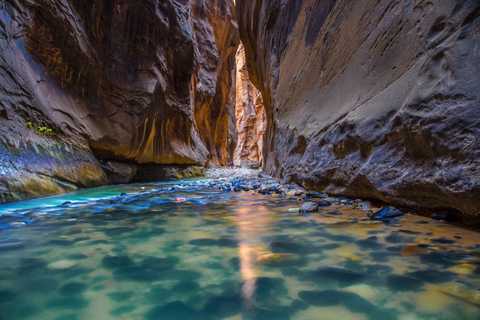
386,213
308,207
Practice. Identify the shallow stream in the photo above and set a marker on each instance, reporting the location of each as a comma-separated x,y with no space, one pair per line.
225,255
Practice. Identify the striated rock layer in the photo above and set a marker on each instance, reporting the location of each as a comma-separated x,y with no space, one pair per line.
250,115
375,99
93,92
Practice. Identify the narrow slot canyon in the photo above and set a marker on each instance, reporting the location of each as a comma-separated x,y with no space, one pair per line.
239,159
250,117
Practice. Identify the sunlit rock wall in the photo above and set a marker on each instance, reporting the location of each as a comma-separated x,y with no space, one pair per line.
374,99
250,116
119,85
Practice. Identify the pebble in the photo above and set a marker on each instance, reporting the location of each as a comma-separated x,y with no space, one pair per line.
62,264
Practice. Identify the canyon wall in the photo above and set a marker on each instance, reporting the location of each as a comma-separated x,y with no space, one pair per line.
372,98
101,91
250,116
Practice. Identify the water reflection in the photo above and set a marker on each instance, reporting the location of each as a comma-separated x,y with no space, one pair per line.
231,256
253,223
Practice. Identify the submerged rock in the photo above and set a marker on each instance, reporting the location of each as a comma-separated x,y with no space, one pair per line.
386,213
403,283
329,298
62,264
308,207
173,311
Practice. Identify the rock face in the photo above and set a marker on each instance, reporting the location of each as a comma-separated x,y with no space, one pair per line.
250,115
95,91
376,99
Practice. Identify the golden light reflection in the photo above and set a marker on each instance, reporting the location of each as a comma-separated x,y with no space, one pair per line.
253,222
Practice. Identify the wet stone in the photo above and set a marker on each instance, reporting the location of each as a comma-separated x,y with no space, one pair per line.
60,242
112,232
378,269
308,207
269,313
122,310
121,296
265,287
69,303
445,259
298,305
387,213
157,293
172,311
432,276
116,262
383,315
328,298
403,283
95,242
324,203
343,276
285,247
421,222
77,256
379,256
409,232
160,264
395,238
443,240
220,307
136,274
205,242
179,275
370,243
235,263
72,288
185,287
31,264
330,246
227,243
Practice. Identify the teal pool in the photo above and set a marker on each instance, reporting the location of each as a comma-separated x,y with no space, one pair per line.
225,255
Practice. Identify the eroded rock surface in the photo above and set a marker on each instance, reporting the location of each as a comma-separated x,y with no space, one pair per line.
134,82
250,116
372,99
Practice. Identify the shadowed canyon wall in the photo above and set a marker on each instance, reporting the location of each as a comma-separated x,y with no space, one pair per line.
101,91
374,99
250,115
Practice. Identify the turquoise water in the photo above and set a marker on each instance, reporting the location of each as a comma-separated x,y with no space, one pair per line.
227,256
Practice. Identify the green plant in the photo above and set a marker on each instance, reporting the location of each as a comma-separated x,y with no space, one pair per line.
29,125
43,129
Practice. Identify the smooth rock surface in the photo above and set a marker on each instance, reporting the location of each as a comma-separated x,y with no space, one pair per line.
100,91
371,99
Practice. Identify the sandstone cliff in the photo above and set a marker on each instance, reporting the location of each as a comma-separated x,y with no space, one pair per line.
250,116
375,99
88,84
